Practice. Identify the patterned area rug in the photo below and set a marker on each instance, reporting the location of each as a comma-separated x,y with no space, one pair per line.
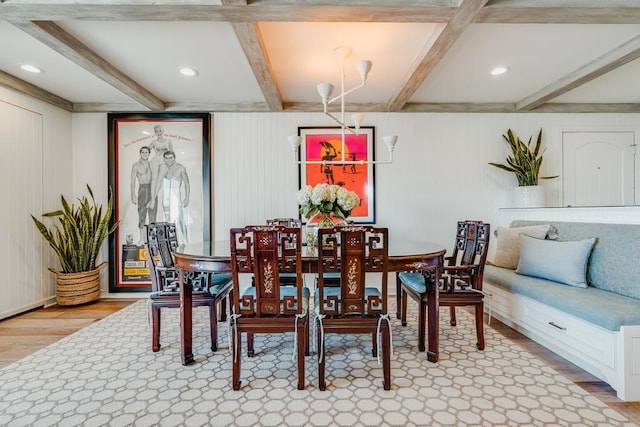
106,374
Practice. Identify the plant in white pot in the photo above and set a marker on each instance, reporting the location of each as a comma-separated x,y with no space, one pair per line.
524,162
77,240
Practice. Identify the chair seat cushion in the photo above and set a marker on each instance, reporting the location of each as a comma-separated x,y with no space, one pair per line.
220,282
414,281
285,291
335,292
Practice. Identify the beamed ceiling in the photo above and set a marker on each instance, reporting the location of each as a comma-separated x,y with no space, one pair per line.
269,55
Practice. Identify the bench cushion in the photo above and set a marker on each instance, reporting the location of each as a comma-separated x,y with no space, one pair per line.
507,243
614,263
605,309
564,262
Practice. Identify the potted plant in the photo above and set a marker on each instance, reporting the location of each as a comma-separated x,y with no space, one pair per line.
524,162
77,240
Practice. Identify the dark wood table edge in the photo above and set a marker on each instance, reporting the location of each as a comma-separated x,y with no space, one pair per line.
416,262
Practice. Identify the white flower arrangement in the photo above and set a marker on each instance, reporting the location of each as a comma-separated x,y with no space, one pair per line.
327,199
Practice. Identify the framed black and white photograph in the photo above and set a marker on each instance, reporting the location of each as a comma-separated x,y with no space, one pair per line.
159,172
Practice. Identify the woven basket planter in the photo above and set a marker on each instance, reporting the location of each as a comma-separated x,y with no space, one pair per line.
78,288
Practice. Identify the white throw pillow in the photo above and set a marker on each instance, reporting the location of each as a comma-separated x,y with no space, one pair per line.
507,251
560,261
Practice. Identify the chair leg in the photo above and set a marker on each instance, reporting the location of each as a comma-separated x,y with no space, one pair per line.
302,338
452,315
386,356
321,361
250,350
306,336
213,324
422,324
480,325
374,343
155,328
236,357
403,315
223,310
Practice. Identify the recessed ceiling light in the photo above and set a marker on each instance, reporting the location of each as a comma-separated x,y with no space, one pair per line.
188,71
499,70
31,68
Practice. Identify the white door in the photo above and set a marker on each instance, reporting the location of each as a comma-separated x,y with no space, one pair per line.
598,168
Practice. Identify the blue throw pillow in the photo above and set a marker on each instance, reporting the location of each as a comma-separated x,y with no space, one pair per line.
560,261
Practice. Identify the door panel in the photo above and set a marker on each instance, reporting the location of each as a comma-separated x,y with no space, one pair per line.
598,168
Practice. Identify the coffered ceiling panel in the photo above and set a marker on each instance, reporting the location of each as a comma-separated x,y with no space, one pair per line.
269,55
152,52
536,55
302,55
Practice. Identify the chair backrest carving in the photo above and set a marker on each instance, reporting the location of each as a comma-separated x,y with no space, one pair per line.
471,247
265,252
161,242
352,251
287,222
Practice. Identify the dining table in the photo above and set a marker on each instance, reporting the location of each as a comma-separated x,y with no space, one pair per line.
404,255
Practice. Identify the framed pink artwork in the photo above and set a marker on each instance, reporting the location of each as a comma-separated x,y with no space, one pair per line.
325,143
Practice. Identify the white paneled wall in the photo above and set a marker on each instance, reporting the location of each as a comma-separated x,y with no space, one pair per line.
440,173
35,142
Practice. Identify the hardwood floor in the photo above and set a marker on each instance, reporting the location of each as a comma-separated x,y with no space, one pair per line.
26,333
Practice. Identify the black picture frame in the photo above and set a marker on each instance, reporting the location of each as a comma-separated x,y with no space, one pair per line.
188,136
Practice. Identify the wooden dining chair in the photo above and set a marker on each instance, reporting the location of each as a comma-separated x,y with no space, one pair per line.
209,290
263,253
461,281
286,278
353,308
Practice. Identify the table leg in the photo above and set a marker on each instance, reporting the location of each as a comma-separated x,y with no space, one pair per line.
433,315
398,296
186,319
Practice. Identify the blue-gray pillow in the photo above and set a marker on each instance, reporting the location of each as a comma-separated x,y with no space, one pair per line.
560,261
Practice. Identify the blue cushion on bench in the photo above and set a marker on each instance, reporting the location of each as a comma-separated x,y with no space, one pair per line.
613,265
603,308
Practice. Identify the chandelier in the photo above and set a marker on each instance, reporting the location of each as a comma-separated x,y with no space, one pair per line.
325,90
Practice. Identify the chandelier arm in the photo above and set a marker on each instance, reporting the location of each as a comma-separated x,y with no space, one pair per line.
325,90
342,125
348,162
342,95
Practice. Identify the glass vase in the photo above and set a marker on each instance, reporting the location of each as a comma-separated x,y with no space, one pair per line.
320,220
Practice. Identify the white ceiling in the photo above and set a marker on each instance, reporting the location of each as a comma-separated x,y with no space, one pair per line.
268,55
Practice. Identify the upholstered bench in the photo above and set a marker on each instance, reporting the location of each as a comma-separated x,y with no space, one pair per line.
597,326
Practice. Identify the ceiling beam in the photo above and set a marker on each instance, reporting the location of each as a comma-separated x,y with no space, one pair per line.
389,11
434,51
53,36
434,11
253,46
611,60
18,85
560,12
307,107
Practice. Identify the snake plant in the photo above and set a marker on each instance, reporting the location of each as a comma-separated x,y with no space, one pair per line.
524,160
81,231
